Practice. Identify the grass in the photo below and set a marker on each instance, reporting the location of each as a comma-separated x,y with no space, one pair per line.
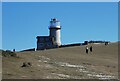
46,63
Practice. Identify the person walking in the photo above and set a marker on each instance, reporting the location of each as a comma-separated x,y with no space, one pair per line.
91,48
106,43
13,50
87,49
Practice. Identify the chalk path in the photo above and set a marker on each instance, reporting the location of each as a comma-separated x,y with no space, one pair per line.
91,74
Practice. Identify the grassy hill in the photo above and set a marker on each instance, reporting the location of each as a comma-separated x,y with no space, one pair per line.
64,63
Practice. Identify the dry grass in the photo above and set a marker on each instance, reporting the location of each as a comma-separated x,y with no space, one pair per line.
64,63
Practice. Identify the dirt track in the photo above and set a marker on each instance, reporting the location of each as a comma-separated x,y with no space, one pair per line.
65,63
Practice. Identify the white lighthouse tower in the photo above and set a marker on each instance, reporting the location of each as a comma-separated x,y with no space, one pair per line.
55,31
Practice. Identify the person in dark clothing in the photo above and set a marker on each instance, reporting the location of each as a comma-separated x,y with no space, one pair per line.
86,49
91,48
106,43
13,50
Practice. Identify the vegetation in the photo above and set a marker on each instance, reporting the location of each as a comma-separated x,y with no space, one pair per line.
8,53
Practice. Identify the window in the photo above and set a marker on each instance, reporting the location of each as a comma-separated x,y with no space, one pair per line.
47,39
41,39
41,44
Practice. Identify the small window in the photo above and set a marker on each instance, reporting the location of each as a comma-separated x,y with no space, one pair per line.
47,39
41,44
49,44
41,39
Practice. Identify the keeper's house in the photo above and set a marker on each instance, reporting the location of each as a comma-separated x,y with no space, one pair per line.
53,40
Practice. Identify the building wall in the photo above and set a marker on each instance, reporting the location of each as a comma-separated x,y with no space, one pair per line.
56,34
44,42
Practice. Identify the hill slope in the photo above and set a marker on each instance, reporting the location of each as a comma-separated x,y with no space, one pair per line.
64,63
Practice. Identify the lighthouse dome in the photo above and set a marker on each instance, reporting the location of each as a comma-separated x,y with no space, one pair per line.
54,23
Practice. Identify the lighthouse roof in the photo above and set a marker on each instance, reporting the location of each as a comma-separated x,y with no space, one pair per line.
54,20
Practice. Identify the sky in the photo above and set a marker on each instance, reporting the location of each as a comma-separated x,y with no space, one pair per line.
22,22
60,0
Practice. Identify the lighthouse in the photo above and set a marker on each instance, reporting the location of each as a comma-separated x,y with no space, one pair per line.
53,40
54,30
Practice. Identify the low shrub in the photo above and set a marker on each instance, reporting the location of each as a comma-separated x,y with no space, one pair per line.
8,53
